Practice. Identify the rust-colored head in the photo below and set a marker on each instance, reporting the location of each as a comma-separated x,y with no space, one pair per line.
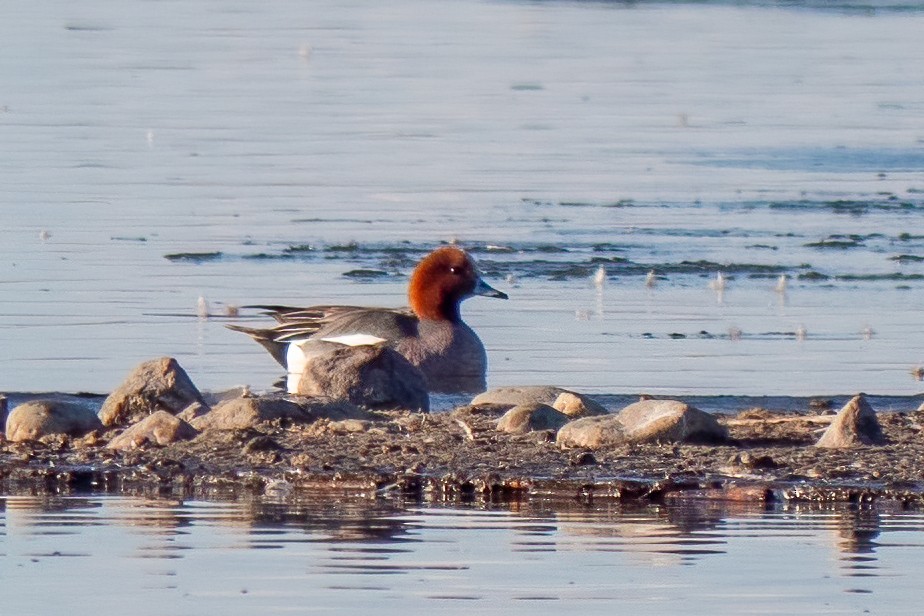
442,280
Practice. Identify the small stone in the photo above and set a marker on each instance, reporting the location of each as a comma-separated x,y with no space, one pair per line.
241,413
39,418
196,409
854,425
529,418
591,432
750,461
372,376
584,458
158,384
577,405
670,421
261,443
159,428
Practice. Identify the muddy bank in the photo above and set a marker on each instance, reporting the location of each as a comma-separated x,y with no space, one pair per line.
460,455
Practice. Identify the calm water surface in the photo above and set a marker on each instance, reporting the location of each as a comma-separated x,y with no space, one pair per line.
329,557
551,137
290,144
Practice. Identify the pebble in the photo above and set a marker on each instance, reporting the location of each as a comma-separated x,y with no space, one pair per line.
530,418
159,428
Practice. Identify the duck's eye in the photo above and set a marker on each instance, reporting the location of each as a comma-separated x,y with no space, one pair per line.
454,270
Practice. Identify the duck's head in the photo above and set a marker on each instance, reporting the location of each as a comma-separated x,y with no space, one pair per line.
442,280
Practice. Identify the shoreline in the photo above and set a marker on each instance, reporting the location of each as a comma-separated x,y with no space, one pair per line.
460,456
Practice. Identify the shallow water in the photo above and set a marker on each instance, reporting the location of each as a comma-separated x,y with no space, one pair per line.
757,139
233,557
159,152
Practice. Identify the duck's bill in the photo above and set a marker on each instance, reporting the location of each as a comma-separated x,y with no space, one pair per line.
483,288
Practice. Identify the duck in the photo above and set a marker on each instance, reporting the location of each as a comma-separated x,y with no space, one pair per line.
429,333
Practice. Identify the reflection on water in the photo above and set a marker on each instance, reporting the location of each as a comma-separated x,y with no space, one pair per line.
257,556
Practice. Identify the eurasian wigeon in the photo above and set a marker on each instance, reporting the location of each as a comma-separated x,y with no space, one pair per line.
430,334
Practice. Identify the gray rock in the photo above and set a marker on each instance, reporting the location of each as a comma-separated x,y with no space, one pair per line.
854,425
375,377
33,420
159,428
196,409
669,421
591,432
241,413
538,394
530,417
577,405
158,384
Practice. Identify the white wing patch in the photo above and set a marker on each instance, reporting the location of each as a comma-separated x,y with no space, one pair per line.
355,340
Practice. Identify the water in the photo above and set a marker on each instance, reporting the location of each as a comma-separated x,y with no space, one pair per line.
634,136
289,144
246,557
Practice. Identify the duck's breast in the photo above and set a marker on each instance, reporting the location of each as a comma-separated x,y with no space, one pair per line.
450,355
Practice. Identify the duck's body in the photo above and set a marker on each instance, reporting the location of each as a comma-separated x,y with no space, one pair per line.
430,334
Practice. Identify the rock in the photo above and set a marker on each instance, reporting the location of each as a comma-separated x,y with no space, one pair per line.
563,400
530,417
592,432
39,418
645,421
853,426
584,458
512,396
747,460
158,384
372,376
334,410
158,428
260,444
670,421
241,413
577,405
196,409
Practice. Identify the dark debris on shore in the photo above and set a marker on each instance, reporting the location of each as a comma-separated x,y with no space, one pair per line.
460,455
